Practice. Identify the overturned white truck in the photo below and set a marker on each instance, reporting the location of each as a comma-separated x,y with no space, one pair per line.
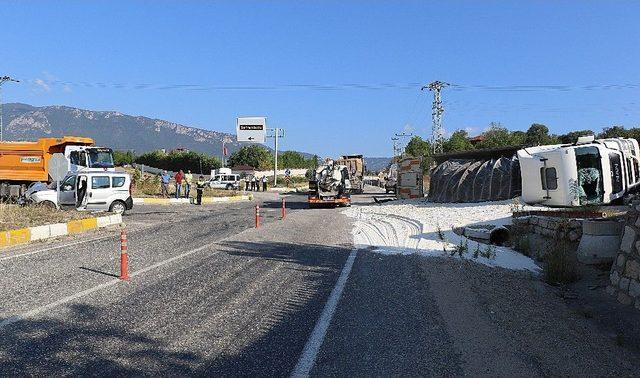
587,172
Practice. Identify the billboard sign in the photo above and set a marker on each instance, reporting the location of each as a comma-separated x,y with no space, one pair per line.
251,129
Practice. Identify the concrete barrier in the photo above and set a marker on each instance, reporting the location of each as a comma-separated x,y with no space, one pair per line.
26,235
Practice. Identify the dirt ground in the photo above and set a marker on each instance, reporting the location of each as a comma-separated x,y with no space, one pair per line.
13,217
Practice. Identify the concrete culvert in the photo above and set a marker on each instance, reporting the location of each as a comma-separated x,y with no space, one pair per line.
499,236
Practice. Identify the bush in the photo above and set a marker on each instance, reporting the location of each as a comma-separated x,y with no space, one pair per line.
560,264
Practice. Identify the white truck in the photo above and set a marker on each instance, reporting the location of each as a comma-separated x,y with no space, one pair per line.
330,185
588,172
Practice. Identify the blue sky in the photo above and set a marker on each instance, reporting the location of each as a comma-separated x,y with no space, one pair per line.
580,47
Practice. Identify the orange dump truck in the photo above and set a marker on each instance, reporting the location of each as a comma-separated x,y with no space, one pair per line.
22,163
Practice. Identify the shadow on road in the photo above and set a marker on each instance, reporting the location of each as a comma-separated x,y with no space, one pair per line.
276,352
80,346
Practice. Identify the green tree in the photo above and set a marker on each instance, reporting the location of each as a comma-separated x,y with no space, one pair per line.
496,136
459,141
254,155
537,135
615,132
572,136
123,157
294,159
417,147
195,161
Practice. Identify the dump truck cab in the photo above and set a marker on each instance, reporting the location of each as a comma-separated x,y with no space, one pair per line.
587,172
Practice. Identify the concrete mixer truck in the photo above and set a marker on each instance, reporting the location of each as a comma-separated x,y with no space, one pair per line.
330,185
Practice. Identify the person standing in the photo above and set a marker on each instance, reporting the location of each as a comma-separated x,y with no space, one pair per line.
178,177
200,185
246,183
164,183
188,179
264,183
253,183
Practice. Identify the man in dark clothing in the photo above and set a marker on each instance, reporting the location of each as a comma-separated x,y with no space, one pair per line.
200,185
264,183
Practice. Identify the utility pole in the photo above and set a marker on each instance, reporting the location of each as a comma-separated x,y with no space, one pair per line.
3,79
403,135
225,140
437,132
277,133
395,146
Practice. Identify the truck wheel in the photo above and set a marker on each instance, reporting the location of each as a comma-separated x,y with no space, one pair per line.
229,187
118,207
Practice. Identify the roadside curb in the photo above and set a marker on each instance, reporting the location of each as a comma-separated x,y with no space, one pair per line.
48,231
187,201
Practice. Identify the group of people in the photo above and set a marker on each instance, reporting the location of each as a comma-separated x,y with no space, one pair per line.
254,182
183,182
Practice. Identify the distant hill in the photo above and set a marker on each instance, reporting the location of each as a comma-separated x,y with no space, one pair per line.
109,128
376,164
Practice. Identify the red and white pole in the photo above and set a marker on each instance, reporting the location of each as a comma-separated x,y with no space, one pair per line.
124,257
284,209
257,216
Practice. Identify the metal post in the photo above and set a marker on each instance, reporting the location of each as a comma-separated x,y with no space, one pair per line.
124,257
284,209
275,165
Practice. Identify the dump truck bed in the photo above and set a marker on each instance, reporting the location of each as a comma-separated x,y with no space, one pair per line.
29,161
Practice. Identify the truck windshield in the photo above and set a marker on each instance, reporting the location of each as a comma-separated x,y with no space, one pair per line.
589,188
100,158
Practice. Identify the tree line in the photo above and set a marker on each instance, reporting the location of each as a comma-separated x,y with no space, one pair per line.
497,136
254,156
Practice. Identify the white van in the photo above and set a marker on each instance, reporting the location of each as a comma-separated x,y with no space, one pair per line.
229,181
90,191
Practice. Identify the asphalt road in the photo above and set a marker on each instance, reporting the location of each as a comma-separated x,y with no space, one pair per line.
210,295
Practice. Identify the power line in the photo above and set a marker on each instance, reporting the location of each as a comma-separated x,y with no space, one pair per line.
201,87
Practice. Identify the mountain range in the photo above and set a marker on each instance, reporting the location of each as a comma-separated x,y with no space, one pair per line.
121,131
110,129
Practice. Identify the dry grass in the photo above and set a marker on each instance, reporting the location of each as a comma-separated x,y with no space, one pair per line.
13,217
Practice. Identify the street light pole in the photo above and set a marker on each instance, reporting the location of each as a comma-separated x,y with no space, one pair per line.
3,79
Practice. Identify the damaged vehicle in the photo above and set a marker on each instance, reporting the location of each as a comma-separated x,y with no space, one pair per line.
588,172
86,191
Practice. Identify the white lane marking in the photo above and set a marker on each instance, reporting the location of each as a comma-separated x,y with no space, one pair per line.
312,347
39,310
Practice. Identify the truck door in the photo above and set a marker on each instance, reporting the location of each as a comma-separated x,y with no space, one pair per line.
81,192
99,193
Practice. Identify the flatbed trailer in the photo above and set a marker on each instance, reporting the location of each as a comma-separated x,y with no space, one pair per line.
319,199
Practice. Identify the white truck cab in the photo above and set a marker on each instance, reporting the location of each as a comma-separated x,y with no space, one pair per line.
587,172
89,158
89,191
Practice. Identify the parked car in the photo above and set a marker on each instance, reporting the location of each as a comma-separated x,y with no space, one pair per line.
229,181
89,191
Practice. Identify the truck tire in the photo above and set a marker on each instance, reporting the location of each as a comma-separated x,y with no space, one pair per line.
118,207
229,187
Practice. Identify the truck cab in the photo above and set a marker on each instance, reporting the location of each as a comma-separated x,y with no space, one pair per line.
89,158
587,172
